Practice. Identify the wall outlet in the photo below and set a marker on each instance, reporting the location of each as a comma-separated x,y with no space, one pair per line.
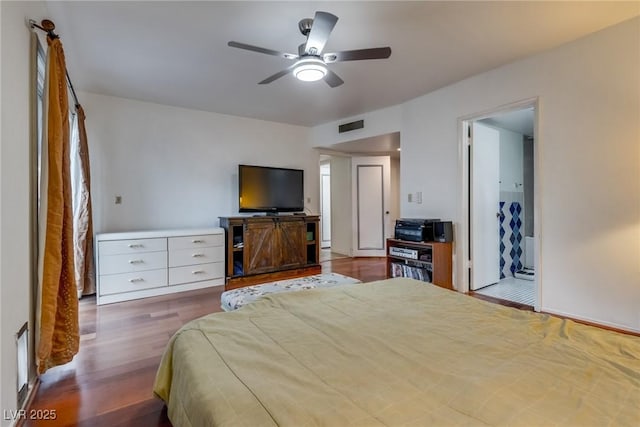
410,198
419,197
118,200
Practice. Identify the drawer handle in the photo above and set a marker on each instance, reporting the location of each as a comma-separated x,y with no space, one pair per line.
198,272
197,241
137,279
136,245
136,261
197,255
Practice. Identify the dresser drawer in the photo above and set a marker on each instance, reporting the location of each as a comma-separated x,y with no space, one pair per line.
125,263
196,273
128,282
191,242
114,247
181,257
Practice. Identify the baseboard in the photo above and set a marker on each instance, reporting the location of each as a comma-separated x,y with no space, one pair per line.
154,292
597,323
31,393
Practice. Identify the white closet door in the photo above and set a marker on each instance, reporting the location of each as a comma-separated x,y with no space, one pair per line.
371,186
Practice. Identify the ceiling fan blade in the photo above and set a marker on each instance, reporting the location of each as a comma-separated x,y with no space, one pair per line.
358,54
277,75
262,50
332,79
323,24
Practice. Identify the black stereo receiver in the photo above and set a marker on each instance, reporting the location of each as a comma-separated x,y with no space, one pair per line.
415,229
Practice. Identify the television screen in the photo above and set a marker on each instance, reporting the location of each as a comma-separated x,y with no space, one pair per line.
267,189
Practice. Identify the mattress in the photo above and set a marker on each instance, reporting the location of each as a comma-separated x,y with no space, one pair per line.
236,298
397,352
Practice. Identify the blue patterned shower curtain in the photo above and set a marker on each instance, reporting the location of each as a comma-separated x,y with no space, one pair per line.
510,238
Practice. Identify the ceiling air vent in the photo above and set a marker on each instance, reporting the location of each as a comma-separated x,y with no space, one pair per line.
359,124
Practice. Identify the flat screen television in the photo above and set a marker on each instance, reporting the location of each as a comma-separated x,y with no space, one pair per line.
268,189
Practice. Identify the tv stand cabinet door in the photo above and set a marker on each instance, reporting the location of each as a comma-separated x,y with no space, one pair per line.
292,243
260,247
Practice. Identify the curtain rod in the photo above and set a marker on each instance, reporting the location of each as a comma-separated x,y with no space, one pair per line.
48,26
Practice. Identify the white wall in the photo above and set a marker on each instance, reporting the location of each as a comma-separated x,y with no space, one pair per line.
341,205
325,204
512,171
178,168
15,269
589,166
378,122
511,166
394,197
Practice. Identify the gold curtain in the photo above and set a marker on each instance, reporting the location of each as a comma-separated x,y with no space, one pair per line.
83,223
59,332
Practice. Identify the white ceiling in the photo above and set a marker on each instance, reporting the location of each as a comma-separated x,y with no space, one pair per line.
379,145
176,53
519,121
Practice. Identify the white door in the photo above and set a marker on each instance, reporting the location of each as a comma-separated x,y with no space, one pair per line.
370,189
484,205
325,205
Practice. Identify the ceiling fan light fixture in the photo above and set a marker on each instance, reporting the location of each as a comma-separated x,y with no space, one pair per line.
310,70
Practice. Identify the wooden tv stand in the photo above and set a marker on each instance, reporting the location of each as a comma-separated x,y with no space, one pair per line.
262,249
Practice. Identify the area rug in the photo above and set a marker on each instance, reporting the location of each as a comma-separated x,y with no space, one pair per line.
236,298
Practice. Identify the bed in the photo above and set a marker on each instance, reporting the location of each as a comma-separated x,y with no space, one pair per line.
396,352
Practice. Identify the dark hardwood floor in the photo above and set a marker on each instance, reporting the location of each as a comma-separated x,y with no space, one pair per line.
109,382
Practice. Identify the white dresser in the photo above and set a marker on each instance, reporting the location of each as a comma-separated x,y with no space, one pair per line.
142,264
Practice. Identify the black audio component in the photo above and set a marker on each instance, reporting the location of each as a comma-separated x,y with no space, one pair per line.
443,231
415,229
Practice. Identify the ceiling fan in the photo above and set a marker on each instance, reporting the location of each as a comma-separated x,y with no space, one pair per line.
311,63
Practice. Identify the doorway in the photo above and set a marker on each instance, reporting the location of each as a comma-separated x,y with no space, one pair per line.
502,241
363,199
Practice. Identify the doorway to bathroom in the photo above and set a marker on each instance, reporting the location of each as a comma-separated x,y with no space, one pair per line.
502,238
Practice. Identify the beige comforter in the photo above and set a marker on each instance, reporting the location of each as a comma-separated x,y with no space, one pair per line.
396,353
